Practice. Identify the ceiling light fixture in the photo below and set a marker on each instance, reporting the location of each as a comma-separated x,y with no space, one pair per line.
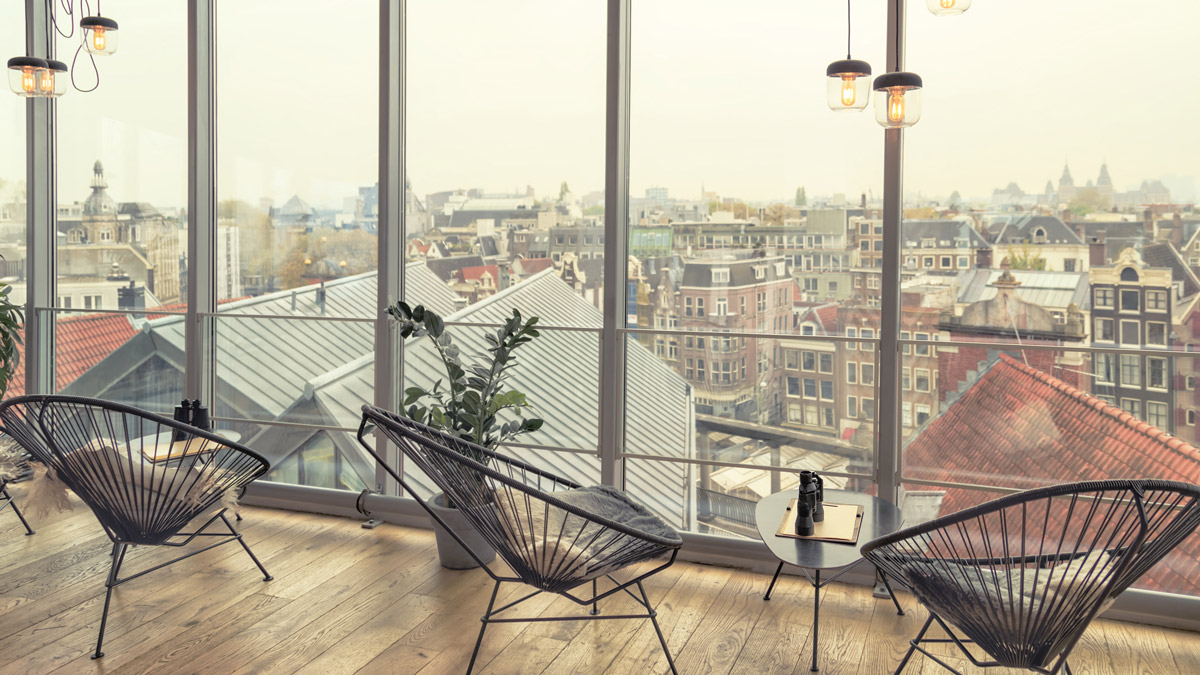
30,76
898,94
948,7
99,34
24,73
846,87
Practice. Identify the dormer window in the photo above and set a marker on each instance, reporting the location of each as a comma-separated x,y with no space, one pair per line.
780,269
720,275
1039,236
1129,274
760,272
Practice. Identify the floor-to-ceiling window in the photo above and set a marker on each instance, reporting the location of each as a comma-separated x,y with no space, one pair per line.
1049,259
296,231
749,202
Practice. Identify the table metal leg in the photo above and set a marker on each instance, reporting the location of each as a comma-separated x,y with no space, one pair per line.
816,616
883,577
773,580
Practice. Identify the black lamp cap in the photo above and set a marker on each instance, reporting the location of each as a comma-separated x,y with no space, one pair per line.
97,22
27,61
57,66
900,79
848,67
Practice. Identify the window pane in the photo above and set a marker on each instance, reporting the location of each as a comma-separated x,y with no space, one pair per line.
297,194
122,172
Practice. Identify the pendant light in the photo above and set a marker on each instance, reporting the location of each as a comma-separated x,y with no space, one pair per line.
24,73
948,7
898,94
99,35
53,80
846,86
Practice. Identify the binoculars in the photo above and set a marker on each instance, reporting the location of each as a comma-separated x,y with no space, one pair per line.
193,413
809,509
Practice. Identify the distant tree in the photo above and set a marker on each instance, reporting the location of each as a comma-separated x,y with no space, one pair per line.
1025,257
777,214
801,197
597,210
922,213
955,199
292,268
1089,200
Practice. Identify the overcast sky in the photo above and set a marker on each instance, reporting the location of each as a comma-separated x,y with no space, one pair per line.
507,94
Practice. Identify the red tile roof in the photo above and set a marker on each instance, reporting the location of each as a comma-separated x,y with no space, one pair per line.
534,265
81,341
476,273
1019,427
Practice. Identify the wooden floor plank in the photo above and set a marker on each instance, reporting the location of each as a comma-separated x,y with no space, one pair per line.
348,600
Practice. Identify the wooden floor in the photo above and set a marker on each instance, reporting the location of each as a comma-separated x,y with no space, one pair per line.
349,600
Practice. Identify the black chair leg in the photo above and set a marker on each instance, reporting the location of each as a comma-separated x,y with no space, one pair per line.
912,646
5,496
242,541
479,640
595,605
118,556
891,593
654,620
767,595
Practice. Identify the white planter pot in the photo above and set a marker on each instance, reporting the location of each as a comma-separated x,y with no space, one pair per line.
452,555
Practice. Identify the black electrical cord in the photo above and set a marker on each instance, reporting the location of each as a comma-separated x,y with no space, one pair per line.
847,30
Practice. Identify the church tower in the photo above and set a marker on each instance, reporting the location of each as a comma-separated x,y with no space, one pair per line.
1066,186
1104,182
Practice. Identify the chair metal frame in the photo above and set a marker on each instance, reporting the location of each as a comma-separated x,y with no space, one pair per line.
36,434
7,500
406,434
1156,515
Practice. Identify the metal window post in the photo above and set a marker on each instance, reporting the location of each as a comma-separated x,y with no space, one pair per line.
616,214
40,214
389,363
887,415
199,330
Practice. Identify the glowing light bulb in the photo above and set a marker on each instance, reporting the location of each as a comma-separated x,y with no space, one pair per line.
895,107
47,81
28,79
848,92
947,4
99,41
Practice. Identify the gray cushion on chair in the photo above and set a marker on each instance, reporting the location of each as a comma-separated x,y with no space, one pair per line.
613,504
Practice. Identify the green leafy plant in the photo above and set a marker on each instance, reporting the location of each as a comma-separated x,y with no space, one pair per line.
471,402
11,320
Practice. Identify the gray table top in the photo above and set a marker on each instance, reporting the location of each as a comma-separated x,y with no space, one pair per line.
879,518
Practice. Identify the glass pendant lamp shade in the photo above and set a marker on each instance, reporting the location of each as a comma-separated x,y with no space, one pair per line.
948,7
25,74
897,100
52,82
847,85
99,35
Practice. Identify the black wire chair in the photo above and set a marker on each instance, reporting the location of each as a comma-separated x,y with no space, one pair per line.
144,476
526,515
7,500
1022,576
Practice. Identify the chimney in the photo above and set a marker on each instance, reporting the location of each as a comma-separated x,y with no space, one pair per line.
321,297
983,258
1177,230
131,297
1148,224
1066,215
1096,256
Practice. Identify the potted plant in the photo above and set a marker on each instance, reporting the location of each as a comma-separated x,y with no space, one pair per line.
473,402
11,325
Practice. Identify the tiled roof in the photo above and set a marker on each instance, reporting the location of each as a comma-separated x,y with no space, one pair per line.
1019,427
476,273
1164,254
80,341
533,265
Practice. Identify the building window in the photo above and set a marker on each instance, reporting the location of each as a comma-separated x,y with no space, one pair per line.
826,390
1156,333
906,379
945,262
791,359
762,301
852,333
928,262
687,306
743,304
1104,297
922,379
922,350
720,275
833,286
793,386
1156,301
1131,370
868,406
1103,367
808,361
1129,300
868,374
1129,274
1191,418
906,413
688,371
810,415
1069,265
1156,373
810,388
1130,333
852,406
700,370
905,335
1104,330
825,363
963,262
699,306
827,421
922,414
852,372
1132,406
722,306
